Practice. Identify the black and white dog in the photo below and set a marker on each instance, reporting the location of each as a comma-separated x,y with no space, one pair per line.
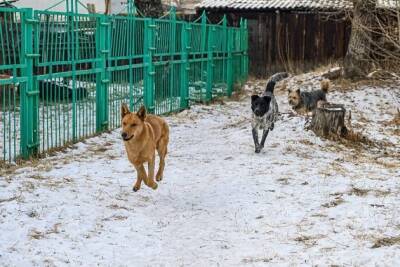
265,111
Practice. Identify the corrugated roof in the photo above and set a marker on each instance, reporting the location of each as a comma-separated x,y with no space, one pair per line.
288,4
276,4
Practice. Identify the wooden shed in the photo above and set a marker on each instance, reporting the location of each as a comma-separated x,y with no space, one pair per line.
292,35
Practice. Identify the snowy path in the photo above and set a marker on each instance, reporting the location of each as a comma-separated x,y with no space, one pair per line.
302,202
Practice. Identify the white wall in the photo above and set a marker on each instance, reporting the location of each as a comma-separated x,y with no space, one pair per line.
44,4
116,5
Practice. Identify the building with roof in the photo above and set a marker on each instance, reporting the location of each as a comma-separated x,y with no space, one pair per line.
292,35
306,5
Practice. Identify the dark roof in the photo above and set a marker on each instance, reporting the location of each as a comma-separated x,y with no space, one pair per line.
287,4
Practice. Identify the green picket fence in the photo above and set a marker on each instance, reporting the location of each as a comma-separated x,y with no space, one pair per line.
64,75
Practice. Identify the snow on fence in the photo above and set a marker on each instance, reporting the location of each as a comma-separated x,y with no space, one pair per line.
64,75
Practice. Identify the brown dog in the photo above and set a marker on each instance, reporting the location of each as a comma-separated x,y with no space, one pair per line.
143,134
306,102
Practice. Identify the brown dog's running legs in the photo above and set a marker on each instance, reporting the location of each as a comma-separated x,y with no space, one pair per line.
150,178
140,177
162,153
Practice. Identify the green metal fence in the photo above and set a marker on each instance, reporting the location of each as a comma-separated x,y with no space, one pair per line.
64,75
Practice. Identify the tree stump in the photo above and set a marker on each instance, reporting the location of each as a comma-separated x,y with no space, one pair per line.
328,120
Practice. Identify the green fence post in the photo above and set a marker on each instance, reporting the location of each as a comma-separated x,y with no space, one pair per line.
172,51
185,67
246,50
243,50
203,48
149,70
132,20
228,62
29,144
210,62
131,8
102,80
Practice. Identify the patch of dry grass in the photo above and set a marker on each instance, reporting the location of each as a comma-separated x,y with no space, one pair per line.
237,124
345,85
256,260
283,180
238,92
115,218
306,142
395,121
118,207
7,169
334,168
307,240
36,234
37,177
289,149
9,199
386,242
326,67
361,192
336,202
359,141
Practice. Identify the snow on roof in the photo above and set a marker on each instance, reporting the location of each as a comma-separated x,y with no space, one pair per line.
288,4
276,4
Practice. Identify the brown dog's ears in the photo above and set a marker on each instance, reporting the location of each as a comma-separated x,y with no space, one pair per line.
124,110
142,113
297,91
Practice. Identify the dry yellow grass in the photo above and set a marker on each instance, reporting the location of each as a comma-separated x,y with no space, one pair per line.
386,242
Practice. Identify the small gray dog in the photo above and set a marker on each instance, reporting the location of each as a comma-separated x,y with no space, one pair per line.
305,102
265,111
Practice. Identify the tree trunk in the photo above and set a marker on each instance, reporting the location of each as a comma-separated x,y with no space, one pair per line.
328,121
150,8
357,61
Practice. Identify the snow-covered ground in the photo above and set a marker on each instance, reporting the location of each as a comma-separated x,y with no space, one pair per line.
55,118
302,202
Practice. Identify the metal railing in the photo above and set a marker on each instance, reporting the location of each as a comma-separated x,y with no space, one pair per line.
64,75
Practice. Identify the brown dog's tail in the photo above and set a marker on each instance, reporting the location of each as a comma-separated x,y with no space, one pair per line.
325,84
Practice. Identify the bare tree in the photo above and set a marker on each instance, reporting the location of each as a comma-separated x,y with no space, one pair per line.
356,62
375,38
150,8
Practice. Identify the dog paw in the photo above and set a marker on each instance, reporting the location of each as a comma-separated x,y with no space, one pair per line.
135,188
155,186
158,178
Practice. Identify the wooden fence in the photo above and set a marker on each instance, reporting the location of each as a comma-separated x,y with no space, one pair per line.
291,41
